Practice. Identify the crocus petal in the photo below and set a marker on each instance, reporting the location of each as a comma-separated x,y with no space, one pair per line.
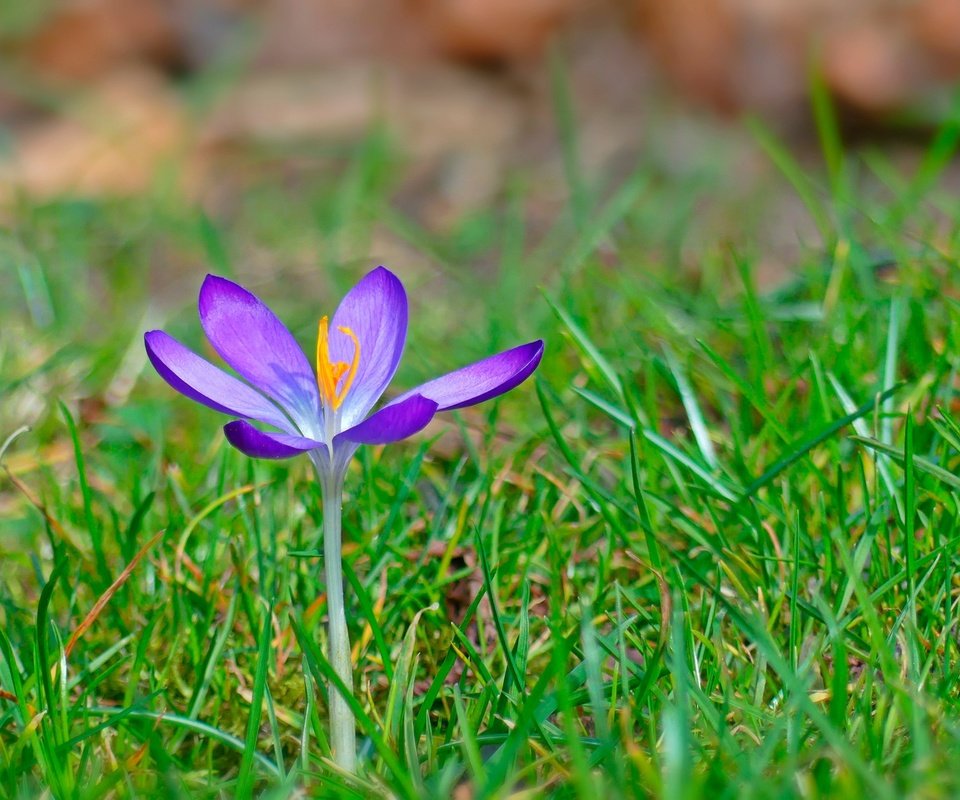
391,423
201,381
267,444
482,380
250,338
376,311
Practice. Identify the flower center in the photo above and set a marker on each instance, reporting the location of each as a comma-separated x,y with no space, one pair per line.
330,373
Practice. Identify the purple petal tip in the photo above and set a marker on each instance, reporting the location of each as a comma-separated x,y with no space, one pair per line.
267,444
484,379
392,423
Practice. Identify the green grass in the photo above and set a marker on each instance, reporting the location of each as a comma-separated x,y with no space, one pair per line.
711,551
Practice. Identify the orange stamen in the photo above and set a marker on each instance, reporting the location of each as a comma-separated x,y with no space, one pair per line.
330,373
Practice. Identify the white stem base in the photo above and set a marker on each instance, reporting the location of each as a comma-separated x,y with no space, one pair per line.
343,726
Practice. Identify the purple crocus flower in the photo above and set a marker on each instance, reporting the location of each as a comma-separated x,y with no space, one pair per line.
326,413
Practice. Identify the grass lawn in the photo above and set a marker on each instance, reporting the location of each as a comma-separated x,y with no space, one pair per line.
710,551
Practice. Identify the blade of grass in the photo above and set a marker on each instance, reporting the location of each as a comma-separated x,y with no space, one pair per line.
800,449
245,777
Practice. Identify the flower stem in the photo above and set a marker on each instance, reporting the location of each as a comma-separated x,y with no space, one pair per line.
343,726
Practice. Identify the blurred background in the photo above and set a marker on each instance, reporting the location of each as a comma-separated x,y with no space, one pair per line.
484,149
98,96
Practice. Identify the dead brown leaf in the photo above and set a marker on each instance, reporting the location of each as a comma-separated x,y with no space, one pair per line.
112,140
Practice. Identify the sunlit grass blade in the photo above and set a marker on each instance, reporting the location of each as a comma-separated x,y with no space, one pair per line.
799,450
919,462
246,777
596,361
